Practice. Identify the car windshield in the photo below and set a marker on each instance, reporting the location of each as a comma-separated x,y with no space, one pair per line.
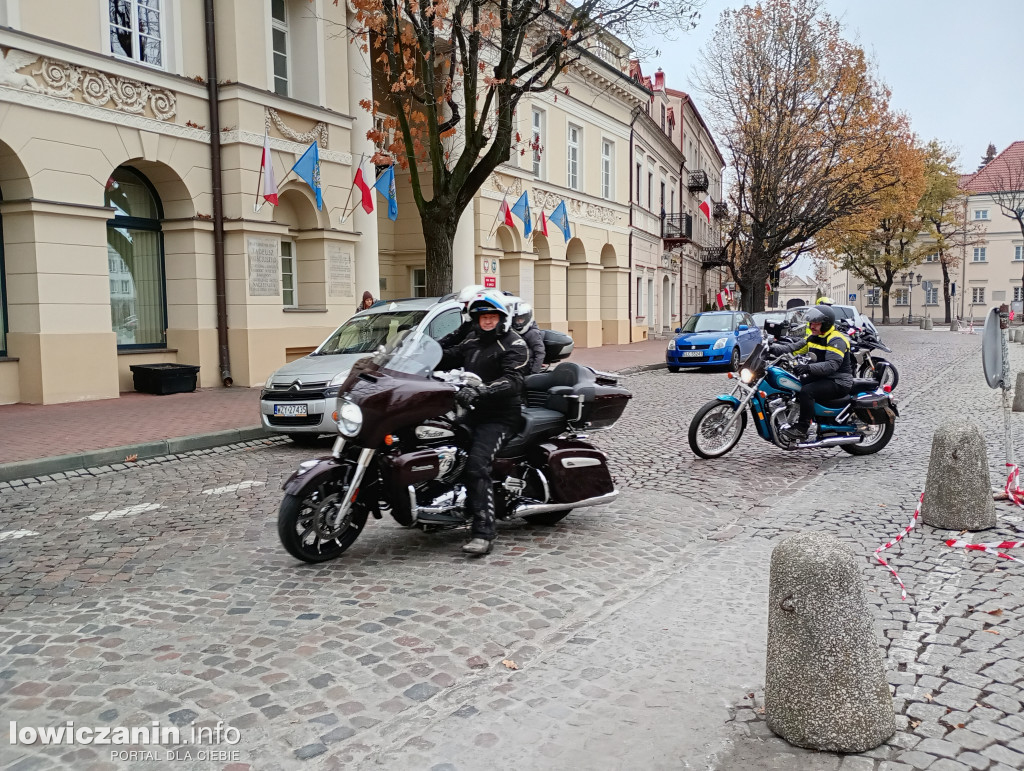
365,334
710,322
845,312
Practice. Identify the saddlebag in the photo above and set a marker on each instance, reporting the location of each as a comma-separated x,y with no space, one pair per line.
574,470
874,409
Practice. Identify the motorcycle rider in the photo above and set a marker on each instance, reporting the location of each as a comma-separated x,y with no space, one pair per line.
500,357
526,327
828,377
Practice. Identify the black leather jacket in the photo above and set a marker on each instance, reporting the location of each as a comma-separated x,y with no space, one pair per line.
501,361
535,342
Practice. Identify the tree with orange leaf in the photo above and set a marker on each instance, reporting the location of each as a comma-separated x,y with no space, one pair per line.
807,128
449,75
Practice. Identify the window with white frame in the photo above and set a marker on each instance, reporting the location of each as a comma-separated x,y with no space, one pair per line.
607,164
902,296
650,189
663,199
639,297
979,253
873,295
931,296
279,45
419,282
137,30
573,157
672,202
639,174
981,214
934,257
978,295
538,133
663,117
1018,253
288,294
1018,294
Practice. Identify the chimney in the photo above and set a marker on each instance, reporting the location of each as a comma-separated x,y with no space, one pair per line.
659,80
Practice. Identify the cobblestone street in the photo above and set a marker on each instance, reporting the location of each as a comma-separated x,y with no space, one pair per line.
630,636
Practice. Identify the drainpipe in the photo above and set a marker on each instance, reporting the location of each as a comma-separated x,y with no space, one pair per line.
218,197
629,281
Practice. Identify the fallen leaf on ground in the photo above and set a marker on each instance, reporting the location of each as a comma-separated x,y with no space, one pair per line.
510,664
961,725
996,612
131,458
992,631
759,710
928,696
915,723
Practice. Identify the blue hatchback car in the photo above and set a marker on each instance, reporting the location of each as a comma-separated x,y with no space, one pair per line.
713,338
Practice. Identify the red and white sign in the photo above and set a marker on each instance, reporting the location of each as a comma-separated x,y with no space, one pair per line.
490,282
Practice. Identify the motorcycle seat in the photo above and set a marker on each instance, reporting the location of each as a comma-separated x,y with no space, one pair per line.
538,423
860,385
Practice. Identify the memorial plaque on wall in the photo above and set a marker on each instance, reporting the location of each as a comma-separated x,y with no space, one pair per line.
339,271
264,266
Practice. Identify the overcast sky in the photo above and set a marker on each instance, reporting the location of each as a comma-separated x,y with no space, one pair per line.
957,68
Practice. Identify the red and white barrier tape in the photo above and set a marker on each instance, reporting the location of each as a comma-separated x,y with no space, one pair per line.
1015,494
991,548
896,540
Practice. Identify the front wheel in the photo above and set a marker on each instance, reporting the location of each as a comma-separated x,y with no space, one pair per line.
875,438
884,371
708,436
308,529
734,360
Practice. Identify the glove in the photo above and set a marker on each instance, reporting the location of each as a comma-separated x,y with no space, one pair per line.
776,350
800,370
467,396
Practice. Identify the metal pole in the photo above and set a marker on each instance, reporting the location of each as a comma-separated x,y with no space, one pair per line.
1004,323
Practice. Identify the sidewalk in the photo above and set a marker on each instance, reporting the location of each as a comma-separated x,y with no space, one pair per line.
38,440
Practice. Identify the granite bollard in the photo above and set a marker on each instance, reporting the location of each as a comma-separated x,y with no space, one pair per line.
825,683
954,326
1018,393
957,492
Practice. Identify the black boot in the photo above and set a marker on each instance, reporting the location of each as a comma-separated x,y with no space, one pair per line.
478,547
796,433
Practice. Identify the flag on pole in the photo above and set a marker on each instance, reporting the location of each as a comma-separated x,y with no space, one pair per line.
720,300
522,210
385,185
560,218
307,168
267,171
542,224
705,208
364,189
505,214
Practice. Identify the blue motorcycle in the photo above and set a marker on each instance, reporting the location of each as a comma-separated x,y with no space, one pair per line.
861,423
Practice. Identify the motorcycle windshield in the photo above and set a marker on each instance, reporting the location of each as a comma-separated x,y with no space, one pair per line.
412,353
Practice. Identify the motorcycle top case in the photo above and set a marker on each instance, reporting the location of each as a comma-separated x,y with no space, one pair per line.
873,409
575,470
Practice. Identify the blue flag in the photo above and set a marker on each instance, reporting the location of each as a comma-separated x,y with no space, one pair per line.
561,220
385,185
307,168
522,210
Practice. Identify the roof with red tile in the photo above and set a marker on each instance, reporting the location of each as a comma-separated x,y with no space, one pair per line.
1007,166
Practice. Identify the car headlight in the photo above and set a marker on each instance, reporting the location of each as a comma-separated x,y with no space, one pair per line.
350,419
746,375
339,378
671,345
270,381
721,343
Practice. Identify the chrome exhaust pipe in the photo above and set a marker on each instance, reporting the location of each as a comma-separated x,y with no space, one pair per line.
544,508
832,441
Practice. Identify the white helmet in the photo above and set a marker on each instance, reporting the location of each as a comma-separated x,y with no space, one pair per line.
468,293
522,317
488,301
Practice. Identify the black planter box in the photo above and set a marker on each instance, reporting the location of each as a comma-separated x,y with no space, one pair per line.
164,378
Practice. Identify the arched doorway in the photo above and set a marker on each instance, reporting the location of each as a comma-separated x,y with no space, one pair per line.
796,302
14,185
135,259
666,304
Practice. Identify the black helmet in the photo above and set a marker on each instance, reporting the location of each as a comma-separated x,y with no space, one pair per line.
823,314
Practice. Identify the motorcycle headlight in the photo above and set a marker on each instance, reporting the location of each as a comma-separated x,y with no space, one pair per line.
746,375
671,345
721,343
339,378
350,419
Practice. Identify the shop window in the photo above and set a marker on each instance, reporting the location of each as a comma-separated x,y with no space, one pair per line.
135,257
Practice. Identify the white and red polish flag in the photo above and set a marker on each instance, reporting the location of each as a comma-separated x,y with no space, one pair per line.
705,208
267,170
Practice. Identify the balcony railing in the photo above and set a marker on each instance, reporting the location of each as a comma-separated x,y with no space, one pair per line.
721,210
677,227
712,256
698,182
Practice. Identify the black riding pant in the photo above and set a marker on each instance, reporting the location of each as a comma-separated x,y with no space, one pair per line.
487,440
817,391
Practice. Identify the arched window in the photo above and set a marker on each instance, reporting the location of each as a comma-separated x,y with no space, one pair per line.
135,257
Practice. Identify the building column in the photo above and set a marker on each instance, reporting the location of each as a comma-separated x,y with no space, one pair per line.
614,305
360,87
549,294
517,274
584,319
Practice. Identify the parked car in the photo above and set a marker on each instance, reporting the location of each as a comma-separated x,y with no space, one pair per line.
298,399
713,338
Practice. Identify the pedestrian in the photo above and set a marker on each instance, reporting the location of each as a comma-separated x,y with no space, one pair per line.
366,302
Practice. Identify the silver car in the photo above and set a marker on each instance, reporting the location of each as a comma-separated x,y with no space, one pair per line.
298,399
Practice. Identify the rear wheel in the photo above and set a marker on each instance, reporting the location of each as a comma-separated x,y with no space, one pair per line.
708,436
308,526
548,517
875,438
884,371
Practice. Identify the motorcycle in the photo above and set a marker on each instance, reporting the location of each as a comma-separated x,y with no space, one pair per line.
402,450
861,423
864,342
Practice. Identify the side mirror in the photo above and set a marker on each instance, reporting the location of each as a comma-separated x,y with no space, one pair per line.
742,327
679,330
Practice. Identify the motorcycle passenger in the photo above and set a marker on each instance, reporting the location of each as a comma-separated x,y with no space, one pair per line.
526,327
500,357
828,377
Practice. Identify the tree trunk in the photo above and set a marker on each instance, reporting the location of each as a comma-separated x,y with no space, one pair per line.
885,306
752,285
945,290
439,240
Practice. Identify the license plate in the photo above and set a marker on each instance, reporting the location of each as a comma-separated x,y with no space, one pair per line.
290,410
693,353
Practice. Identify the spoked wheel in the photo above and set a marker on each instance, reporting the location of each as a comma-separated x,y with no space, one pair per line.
875,438
309,526
884,371
708,435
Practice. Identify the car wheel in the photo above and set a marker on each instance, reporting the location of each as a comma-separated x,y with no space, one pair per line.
734,361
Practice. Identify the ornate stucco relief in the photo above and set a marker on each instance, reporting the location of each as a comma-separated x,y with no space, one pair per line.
317,134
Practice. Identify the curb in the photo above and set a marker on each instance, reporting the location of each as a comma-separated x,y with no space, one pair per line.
108,456
642,368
